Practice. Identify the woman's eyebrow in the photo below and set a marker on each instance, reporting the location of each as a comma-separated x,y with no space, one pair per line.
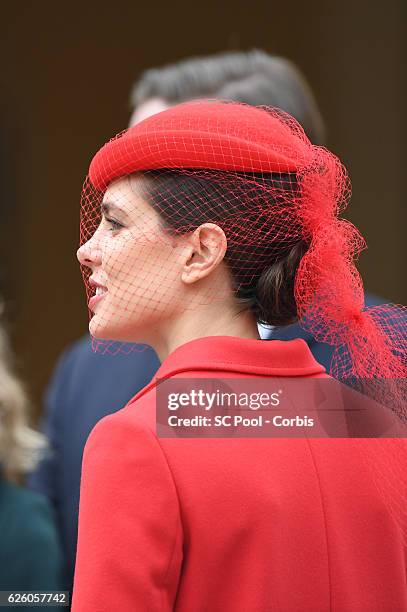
109,207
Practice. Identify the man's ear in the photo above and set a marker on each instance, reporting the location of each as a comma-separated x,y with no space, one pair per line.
206,248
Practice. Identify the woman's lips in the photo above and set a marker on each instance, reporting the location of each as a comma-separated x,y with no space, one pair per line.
100,292
95,299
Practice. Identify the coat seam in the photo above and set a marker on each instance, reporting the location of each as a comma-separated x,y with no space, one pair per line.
325,523
179,526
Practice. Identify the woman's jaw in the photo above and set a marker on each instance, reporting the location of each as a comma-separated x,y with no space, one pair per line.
219,318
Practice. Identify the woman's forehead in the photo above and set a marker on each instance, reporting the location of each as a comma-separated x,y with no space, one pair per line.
126,194
118,191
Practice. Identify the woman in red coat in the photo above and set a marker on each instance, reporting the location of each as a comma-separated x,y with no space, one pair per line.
215,216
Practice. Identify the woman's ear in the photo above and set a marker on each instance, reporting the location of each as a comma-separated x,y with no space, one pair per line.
206,248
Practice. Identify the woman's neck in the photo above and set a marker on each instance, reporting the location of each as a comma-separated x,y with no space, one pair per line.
211,320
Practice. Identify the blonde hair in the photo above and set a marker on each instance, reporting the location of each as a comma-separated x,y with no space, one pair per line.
21,447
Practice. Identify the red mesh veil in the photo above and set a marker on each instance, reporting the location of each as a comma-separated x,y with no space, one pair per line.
258,177
253,173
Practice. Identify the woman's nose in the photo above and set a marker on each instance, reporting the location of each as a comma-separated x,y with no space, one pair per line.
89,254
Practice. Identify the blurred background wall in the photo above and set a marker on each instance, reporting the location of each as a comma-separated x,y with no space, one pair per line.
66,73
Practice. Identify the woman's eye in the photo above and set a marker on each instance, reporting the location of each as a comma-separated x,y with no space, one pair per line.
114,225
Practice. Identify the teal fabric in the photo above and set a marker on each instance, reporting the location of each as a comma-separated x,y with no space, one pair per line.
30,551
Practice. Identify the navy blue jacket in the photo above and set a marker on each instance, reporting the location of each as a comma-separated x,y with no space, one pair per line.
85,387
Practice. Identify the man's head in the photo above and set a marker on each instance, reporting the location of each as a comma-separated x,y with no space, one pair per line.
253,77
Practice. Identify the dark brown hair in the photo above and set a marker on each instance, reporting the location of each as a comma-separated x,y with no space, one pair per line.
263,273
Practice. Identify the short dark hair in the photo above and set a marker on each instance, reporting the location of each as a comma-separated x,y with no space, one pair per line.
263,274
253,77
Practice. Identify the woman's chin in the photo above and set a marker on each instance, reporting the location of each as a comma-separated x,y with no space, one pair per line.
112,333
100,331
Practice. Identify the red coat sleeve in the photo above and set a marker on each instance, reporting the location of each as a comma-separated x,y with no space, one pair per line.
130,535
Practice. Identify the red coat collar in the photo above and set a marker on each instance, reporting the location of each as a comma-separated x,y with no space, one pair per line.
228,353
239,355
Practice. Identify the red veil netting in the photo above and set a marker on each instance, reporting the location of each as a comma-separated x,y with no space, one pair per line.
254,173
